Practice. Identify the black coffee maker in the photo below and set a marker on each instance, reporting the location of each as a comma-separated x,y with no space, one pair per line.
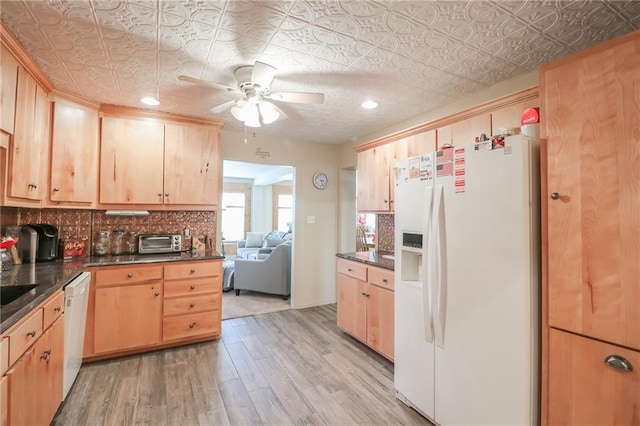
46,244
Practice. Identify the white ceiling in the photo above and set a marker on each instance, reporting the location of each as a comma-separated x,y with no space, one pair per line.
410,56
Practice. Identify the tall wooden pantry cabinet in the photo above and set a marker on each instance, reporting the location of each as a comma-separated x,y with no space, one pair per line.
590,104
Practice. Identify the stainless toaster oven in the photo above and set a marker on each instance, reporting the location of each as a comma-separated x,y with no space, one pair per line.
159,243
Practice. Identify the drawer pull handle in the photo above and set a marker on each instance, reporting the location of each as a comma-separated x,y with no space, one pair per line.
129,275
555,196
156,294
193,287
192,305
193,324
57,309
32,333
384,280
192,271
349,269
56,189
618,362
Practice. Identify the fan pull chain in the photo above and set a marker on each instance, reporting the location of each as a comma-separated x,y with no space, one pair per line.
245,135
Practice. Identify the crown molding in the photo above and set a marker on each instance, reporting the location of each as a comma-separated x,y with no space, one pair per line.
129,112
11,43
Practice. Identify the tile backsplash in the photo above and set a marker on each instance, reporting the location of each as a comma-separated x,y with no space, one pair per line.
74,223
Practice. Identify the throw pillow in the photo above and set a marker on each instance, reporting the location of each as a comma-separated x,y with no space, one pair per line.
272,242
254,239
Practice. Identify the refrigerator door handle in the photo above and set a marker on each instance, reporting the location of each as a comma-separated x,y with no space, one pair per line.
427,262
439,266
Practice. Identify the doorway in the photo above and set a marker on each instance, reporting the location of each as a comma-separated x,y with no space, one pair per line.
257,214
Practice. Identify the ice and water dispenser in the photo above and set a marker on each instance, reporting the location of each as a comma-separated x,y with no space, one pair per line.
411,257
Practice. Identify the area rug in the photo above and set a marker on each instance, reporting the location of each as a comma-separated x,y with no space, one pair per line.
250,303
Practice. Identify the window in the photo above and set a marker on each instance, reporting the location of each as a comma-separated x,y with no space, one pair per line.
233,215
285,212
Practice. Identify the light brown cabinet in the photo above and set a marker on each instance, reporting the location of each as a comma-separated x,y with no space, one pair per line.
31,391
128,312
136,308
593,150
149,162
464,131
74,155
131,161
30,142
366,304
8,89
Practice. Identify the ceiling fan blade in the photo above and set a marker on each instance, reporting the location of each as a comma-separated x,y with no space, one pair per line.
223,107
281,112
262,74
208,84
299,97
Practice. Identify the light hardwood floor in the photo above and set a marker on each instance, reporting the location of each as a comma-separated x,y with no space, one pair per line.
290,367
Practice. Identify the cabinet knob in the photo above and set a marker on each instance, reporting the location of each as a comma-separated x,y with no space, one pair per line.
193,324
166,194
156,294
363,293
159,194
192,305
193,287
555,196
384,280
129,275
32,333
618,362
192,271
386,201
349,269
57,309
56,189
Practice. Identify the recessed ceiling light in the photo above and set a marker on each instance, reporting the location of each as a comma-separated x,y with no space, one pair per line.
369,104
150,100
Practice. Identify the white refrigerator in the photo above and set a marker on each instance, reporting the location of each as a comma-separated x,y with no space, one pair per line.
467,290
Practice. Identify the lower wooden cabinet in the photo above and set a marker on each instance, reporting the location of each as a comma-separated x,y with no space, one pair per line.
366,304
584,389
136,308
35,380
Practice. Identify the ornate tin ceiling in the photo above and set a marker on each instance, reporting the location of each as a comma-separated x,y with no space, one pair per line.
410,56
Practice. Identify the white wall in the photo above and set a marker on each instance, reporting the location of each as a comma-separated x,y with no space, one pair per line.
262,208
315,245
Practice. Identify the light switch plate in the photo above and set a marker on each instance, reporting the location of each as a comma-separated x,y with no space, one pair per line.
311,220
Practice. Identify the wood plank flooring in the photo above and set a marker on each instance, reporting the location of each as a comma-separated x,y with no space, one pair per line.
290,367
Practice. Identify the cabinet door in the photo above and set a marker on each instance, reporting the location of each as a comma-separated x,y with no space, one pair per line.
584,390
127,317
373,179
50,354
23,389
8,86
131,161
466,131
352,307
74,153
25,153
380,320
593,176
4,401
191,164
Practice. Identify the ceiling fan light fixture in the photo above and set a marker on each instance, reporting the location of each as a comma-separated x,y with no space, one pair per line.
369,104
253,116
241,110
268,112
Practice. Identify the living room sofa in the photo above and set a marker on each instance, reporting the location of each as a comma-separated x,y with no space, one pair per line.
259,242
271,274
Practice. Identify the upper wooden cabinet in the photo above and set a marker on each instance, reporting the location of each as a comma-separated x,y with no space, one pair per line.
590,104
414,145
8,90
464,132
131,161
74,154
372,179
29,147
150,162
509,117
191,164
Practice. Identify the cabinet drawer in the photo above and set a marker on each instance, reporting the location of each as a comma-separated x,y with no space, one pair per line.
4,355
352,269
192,325
52,309
192,270
126,275
24,335
191,304
381,277
190,287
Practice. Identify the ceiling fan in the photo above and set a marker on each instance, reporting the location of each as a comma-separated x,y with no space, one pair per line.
254,84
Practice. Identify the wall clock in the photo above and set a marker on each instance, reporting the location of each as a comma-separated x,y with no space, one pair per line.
320,180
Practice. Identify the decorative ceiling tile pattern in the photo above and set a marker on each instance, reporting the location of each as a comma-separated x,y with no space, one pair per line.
410,56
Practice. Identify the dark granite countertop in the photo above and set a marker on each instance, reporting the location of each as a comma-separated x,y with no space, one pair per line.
52,276
371,257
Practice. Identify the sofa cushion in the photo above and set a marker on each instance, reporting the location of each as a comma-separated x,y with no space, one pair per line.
254,239
272,242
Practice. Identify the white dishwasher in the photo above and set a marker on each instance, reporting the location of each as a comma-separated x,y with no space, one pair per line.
76,299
